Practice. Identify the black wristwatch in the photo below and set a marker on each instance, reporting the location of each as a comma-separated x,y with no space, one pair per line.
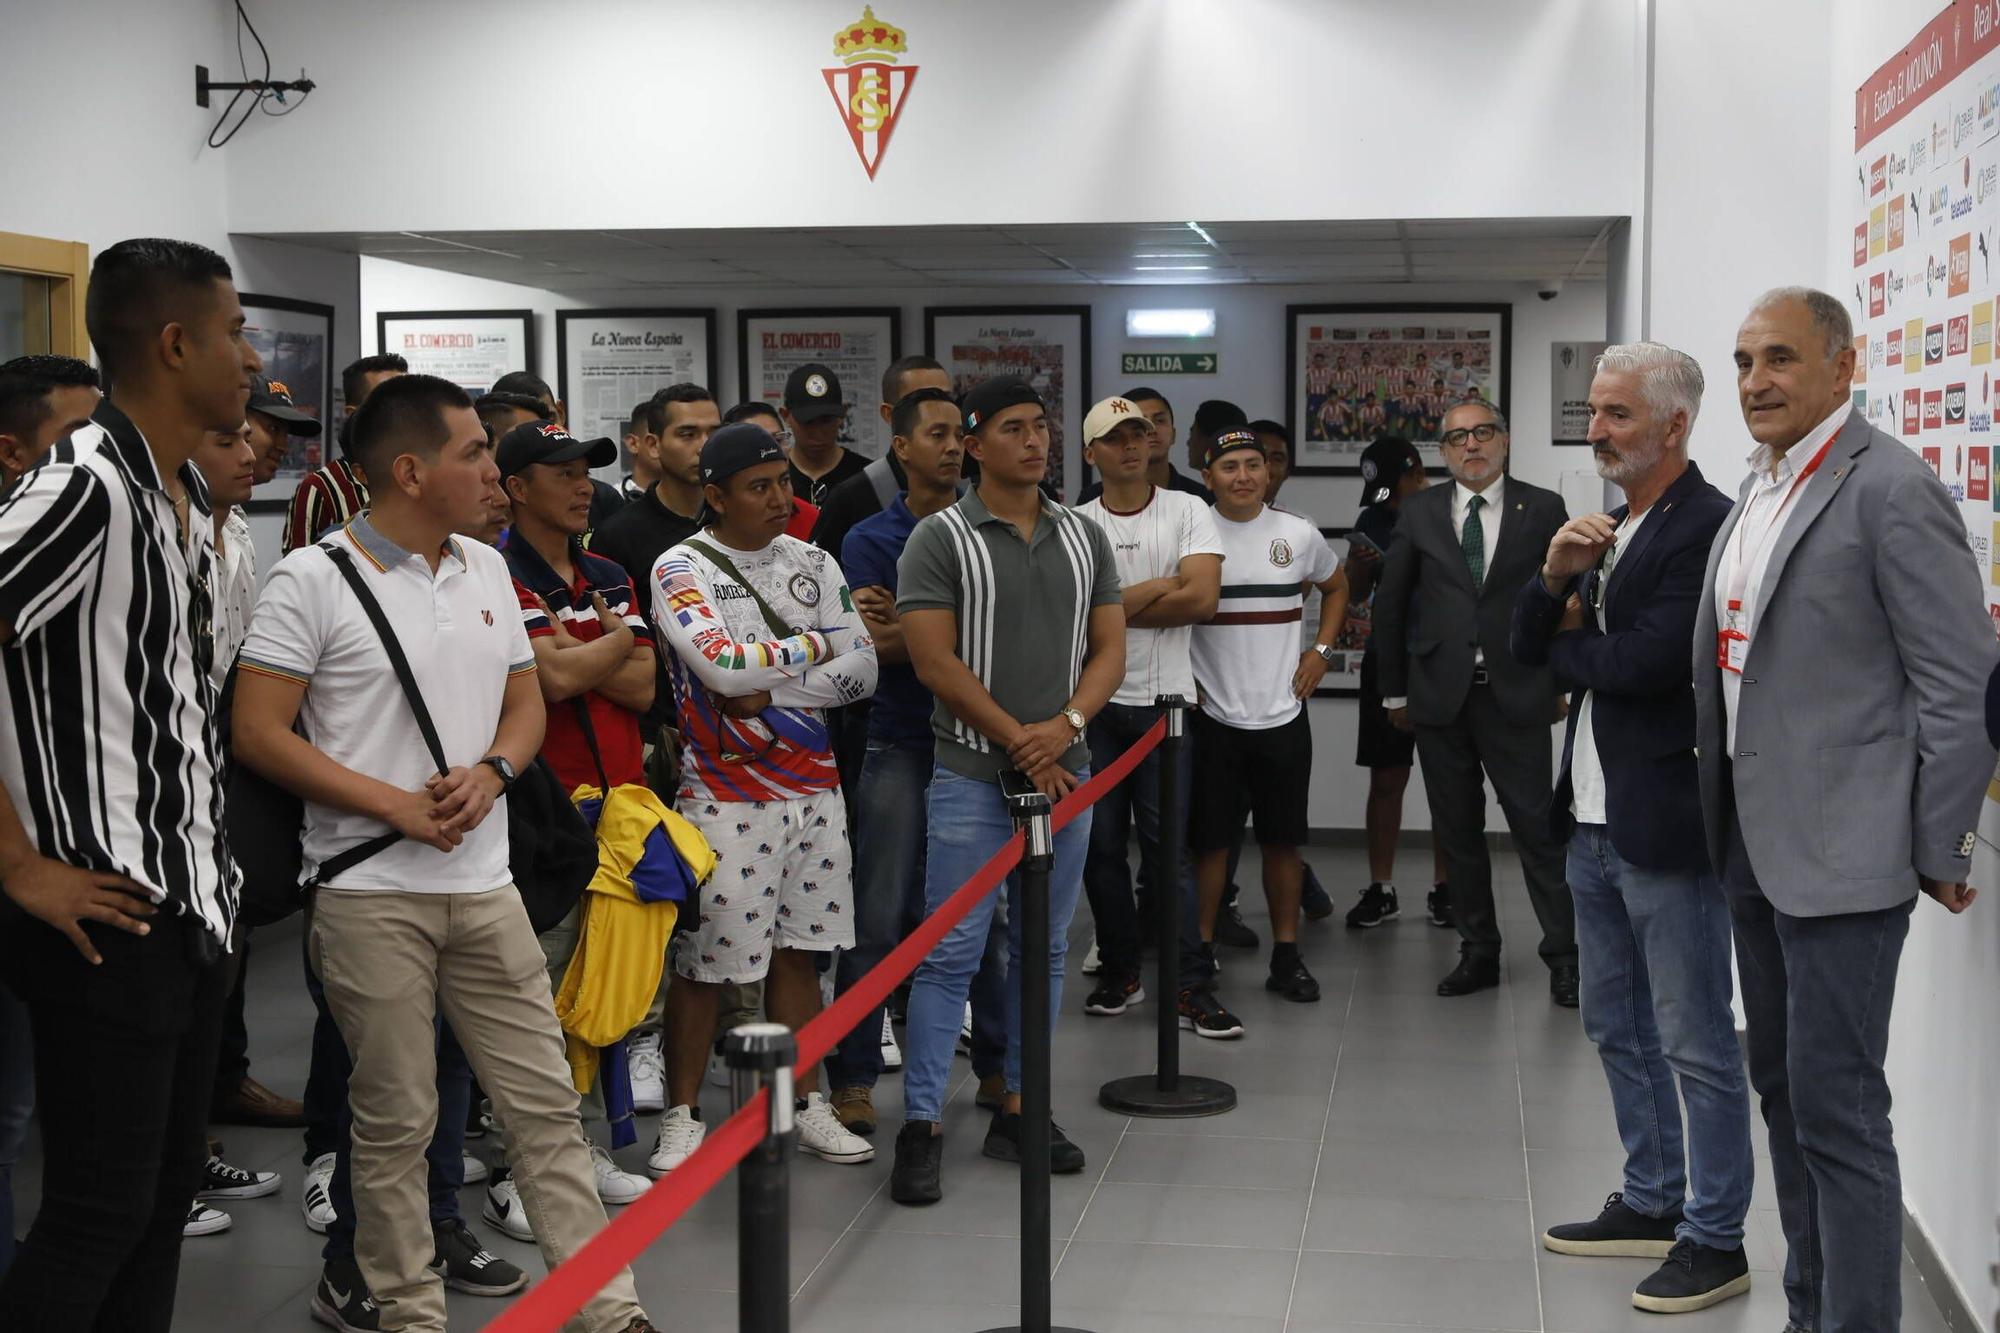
498,763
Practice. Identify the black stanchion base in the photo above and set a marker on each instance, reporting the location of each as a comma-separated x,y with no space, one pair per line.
1141,1095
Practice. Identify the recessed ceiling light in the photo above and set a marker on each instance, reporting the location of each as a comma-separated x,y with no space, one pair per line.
1171,268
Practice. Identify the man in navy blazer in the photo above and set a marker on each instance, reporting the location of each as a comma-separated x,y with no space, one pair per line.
1612,611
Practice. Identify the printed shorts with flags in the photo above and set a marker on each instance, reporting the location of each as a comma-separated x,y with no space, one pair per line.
783,880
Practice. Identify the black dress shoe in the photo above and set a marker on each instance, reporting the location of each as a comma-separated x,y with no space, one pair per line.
1563,984
1473,973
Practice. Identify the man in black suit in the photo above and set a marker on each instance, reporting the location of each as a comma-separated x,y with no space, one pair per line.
1442,614
1613,611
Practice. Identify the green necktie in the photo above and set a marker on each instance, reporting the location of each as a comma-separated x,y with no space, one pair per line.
1472,540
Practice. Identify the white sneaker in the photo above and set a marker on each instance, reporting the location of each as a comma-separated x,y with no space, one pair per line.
648,1070
615,1185
822,1134
680,1135
965,1032
892,1054
503,1209
220,1180
205,1221
476,1171
718,1072
1092,965
316,1200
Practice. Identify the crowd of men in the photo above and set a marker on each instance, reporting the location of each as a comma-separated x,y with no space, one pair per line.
782,640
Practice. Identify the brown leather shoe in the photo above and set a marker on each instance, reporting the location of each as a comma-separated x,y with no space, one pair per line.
855,1108
251,1103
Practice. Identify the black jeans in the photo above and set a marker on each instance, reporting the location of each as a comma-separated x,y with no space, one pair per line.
1107,871
232,1063
124,1063
1817,992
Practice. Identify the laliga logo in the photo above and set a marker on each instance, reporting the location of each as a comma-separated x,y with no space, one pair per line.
869,86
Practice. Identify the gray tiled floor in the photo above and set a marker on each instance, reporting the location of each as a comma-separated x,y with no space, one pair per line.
1388,1167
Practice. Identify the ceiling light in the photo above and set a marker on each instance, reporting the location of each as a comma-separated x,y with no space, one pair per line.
1160,323
1170,268
1175,254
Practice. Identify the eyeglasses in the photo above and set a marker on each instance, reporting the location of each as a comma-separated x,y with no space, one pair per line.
1455,439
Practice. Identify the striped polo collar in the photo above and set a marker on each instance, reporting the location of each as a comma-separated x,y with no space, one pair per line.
385,554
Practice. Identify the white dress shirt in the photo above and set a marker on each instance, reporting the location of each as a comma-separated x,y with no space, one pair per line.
1586,770
1756,536
1489,526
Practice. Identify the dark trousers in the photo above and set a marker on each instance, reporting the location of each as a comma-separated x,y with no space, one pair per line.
328,1122
1107,868
124,1063
1817,991
1480,740
232,1061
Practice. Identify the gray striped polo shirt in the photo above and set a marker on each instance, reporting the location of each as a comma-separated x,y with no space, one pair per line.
1023,611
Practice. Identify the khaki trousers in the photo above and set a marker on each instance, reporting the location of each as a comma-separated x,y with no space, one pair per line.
389,962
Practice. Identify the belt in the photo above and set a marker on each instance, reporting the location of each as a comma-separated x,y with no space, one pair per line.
1479,676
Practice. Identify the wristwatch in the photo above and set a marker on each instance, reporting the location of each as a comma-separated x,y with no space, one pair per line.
1075,719
1325,651
498,763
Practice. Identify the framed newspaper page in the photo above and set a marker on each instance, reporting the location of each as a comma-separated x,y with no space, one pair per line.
609,361
471,348
858,344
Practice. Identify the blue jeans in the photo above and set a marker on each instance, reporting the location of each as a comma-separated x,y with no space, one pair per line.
445,1157
1107,871
17,1105
888,904
968,823
1817,993
1653,954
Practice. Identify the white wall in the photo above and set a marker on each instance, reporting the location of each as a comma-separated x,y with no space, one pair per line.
498,114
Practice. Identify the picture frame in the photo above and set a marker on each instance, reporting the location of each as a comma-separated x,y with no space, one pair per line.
857,343
1343,675
607,360
294,340
1350,370
471,348
1049,345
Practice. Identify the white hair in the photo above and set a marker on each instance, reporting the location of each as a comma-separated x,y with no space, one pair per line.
1829,315
1669,380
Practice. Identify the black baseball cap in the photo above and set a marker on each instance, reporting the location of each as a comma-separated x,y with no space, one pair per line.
534,442
1232,439
1385,463
989,398
735,448
812,392
274,399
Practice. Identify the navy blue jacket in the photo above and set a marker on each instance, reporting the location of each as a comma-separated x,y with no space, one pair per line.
1639,672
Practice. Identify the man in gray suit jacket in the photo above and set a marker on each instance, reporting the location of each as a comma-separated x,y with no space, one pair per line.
1443,610
1841,655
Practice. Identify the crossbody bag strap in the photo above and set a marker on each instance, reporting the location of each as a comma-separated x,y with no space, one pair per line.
390,645
723,563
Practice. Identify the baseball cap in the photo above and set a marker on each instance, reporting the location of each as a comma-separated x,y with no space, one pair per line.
1104,418
733,449
1232,439
534,442
812,392
989,398
274,399
1383,464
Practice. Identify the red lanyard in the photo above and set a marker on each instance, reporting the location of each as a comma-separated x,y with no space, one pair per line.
1741,575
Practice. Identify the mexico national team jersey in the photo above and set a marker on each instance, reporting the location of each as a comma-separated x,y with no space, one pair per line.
1245,657
718,643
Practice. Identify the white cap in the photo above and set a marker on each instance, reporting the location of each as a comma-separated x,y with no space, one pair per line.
1106,416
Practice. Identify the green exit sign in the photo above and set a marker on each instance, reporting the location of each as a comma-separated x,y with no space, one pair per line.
1167,363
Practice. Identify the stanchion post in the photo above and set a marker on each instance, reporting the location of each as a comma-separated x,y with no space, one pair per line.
1167,1093
1032,814
764,1053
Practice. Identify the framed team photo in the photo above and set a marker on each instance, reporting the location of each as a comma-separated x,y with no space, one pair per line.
294,340
1047,345
1353,372
471,348
1343,674
857,344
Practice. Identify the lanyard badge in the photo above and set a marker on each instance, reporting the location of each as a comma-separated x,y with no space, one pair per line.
1732,645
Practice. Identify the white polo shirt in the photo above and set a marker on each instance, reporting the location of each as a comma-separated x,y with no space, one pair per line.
461,630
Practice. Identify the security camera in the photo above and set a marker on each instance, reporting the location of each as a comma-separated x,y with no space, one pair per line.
1550,290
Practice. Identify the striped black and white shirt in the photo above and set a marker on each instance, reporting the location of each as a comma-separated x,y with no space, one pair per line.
107,737
1023,610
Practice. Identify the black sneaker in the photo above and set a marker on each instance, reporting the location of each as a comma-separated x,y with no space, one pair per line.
1230,930
1203,1015
1003,1143
919,1152
1473,973
1114,994
1314,900
466,1266
341,1299
1291,980
1694,1277
1618,1232
1438,903
221,1180
1377,906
